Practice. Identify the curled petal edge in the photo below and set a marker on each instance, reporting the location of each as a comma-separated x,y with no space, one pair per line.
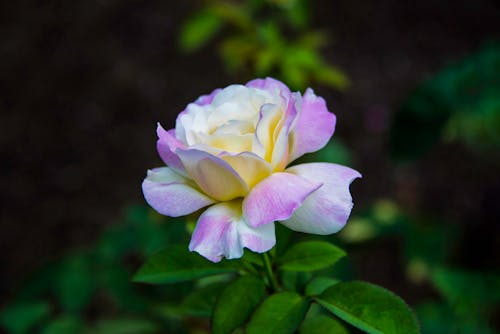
276,198
326,210
221,232
171,194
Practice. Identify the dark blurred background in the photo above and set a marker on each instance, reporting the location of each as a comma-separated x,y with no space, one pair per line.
83,83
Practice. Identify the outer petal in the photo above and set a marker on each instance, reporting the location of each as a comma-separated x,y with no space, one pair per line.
213,175
272,85
315,125
276,198
201,101
166,146
222,232
171,194
207,99
327,209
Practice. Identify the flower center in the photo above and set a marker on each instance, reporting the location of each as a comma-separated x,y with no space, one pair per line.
228,123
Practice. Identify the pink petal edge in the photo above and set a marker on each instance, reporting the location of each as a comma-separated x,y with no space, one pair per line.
222,233
276,198
314,127
166,146
326,210
171,194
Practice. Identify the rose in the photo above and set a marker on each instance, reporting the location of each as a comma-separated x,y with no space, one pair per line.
230,150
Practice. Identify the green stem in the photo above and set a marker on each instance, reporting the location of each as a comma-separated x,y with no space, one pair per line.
249,268
269,272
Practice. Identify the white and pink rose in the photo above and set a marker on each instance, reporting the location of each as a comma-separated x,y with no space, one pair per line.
229,152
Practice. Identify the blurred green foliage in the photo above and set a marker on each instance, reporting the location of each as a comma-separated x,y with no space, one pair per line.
460,103
63,295
468,298
90,290
264,38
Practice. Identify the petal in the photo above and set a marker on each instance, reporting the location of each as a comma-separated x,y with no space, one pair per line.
327,209
314,127
222,232
276,198
189,122
166,146
229,142
212,174
249,166
172,194
281,149
280,155
271,85
201,101
207,99
269,117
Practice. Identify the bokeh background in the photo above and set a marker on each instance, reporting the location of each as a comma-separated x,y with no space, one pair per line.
415,87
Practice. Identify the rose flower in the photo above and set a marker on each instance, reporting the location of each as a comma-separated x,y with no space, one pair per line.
229,152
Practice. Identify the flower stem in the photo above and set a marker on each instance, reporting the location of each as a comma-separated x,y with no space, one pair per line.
269,272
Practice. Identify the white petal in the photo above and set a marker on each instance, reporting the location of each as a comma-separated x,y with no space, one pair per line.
222,232
327,209
172,194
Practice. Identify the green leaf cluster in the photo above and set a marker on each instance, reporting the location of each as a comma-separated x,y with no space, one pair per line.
264,38
468,299
279,292
59,297
284,291
459,103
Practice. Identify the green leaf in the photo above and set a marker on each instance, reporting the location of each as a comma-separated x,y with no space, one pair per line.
320,284
200,303
281,313
459,102
75,283
64,325
176,264
285,236
322,324
125,326
265,60
253,258
294,75
437,318
370,308
298,12
310,256
39,284
269,33
312,40
295,280
235,14
331,76
115,280
198,30
238,300
467,291
22,317
237,51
